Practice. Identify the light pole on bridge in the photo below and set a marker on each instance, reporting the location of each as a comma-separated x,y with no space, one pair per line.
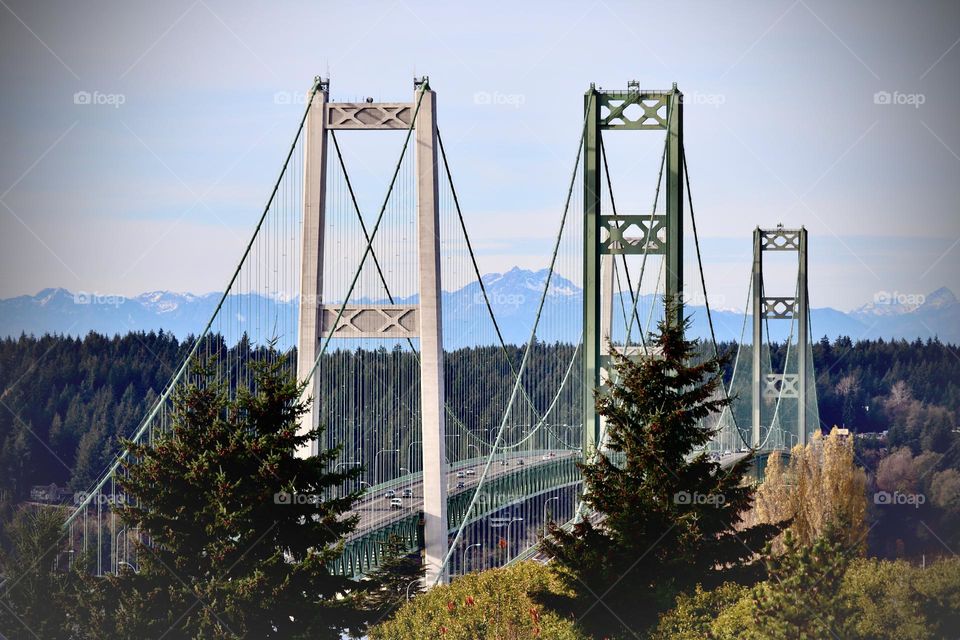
124,562
376,469
557,498
463,557
410,584
410,452
512,520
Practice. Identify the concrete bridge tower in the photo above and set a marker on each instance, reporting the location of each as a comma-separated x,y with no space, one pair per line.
421,321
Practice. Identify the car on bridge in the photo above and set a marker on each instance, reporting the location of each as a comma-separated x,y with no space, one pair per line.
408,493
396,503
390,493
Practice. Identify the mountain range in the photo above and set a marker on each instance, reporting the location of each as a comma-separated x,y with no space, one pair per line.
514,296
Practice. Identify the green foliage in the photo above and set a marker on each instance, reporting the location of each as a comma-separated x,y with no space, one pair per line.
871,600
669,522
938,589
34,595
231,555
929,369
734,621
694,615
801,600
78,397
71,401
399,577
488,605
885,601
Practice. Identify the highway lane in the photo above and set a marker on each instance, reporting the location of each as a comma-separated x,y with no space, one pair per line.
726,460
375,508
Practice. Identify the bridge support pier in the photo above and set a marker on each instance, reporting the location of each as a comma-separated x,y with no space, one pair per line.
431,343
318,323
311,258
786,385
604,235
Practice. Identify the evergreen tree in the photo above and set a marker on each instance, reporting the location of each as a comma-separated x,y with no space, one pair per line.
399,578
802,599
33,593
241,530
77,396
668,517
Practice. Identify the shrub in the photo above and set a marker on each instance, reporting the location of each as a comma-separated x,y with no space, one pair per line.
494,604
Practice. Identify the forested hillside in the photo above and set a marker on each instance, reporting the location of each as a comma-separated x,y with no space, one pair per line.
64,402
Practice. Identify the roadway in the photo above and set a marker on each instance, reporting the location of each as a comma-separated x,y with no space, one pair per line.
726,460
375,510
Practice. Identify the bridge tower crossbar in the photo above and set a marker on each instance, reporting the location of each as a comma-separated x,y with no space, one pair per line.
786,385
603,235
375,320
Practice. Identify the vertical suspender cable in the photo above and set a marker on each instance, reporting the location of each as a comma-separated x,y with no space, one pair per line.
523,363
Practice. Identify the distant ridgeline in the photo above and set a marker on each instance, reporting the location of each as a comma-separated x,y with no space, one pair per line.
514,296
69,400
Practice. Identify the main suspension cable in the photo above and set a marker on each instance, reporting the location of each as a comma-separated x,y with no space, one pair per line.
493,317
523,363
703,282
168,390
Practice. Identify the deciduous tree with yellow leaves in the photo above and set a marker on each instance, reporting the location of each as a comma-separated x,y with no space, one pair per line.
819,483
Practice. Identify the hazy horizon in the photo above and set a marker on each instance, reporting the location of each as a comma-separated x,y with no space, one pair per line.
836,116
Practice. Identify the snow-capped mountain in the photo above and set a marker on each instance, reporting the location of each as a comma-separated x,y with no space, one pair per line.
166,301
514,296
900,315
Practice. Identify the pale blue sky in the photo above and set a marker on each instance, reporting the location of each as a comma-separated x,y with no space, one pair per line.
781,124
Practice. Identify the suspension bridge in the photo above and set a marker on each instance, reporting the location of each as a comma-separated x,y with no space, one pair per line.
468,444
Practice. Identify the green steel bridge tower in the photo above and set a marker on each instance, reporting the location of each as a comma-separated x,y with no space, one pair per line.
605,236
453,472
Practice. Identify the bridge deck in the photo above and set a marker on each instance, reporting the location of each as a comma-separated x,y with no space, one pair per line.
363,550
